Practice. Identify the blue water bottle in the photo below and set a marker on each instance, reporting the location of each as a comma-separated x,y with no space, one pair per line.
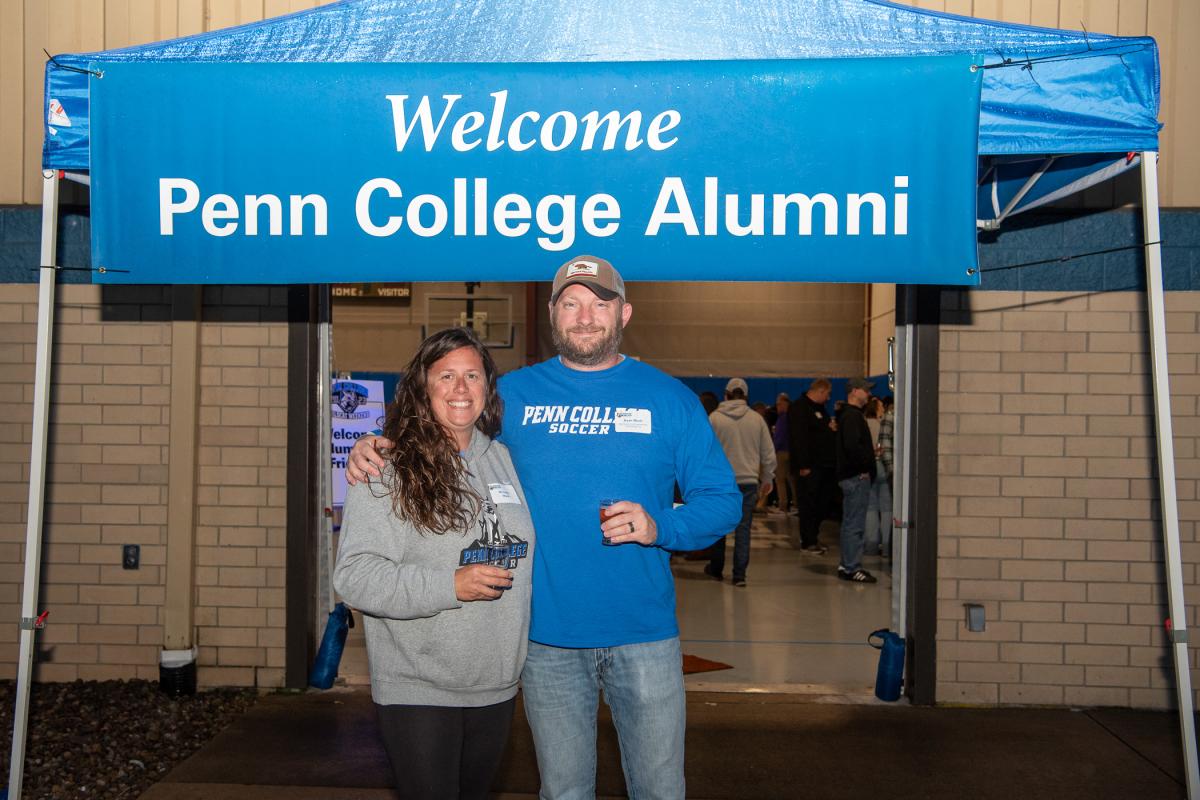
325,667
891,664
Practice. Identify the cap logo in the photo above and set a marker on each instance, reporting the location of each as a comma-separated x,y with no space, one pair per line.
577,268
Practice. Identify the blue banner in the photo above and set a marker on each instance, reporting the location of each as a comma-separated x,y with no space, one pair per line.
835,170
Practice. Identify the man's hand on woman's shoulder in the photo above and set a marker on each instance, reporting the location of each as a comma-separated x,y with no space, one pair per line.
365,458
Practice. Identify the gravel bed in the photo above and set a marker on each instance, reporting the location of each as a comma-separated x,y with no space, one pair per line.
110,739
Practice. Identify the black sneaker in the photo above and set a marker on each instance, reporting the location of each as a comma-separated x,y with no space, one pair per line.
859,575
739,581
814,549
708,570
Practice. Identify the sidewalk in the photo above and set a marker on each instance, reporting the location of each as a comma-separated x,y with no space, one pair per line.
740,745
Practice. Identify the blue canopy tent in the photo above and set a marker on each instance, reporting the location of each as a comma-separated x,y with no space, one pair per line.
1057,111
1067,92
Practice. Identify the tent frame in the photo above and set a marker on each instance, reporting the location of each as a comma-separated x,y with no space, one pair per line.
1178,634
1177,622
30,621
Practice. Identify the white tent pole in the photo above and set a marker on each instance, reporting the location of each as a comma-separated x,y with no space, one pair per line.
37,478
1166,468
994,224
902,464
325,594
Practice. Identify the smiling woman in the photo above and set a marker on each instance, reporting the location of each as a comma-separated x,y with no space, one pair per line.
431,554
457,383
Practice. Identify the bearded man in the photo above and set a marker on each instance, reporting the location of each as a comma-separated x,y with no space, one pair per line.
584,426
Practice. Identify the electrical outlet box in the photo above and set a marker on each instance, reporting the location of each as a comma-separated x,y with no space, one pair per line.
976,620
131,556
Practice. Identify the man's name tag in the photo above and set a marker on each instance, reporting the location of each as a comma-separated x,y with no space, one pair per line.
503,493
632,420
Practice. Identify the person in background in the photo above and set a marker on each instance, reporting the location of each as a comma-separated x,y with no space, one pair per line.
873,413
709,401
779,436
435,554
765,411
879,502
885,463
855,472
747,444
587,425
768,414
812,450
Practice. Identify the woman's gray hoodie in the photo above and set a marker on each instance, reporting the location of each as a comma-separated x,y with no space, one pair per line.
425,647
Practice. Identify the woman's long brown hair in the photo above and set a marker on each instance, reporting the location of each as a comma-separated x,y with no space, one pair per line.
427,485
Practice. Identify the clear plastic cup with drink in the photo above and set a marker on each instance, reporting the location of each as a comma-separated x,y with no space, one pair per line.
605,514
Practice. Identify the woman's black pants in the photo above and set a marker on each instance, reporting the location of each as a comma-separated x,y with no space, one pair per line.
443,752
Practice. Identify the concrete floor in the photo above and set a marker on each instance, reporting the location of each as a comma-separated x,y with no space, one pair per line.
324,745
794,627
794,717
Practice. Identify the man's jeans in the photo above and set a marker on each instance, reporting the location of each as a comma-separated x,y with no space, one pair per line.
879,517
741,537
856,491
643,687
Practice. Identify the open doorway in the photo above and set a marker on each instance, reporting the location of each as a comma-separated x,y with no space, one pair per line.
795,627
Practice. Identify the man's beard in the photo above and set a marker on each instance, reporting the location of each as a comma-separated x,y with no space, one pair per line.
589,355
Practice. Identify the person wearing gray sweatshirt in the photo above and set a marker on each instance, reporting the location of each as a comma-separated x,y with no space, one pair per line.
747,443
436,554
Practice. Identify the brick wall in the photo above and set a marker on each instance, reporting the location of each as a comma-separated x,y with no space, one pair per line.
107,482
1048,508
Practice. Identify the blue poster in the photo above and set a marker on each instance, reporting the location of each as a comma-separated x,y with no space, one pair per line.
357,407
832,170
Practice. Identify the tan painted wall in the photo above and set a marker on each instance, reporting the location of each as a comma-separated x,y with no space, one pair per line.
63,26
378,337
747,329
1048,502
763,329
880,325
107,483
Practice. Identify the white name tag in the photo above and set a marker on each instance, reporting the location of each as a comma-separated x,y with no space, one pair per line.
503,493
632,420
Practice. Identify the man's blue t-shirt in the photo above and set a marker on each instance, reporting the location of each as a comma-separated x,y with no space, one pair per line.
629,432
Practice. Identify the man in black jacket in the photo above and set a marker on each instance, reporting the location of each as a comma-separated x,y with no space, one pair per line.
812,445
855,472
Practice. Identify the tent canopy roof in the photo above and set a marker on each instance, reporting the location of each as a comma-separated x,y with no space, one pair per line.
1066,92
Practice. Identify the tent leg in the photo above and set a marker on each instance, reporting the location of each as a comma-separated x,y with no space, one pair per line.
902,443
325,594
1166,468
37,478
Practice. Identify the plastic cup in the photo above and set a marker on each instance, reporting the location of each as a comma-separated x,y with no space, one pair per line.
605,513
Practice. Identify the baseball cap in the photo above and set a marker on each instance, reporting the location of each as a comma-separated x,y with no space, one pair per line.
737,383
858,383
594,273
